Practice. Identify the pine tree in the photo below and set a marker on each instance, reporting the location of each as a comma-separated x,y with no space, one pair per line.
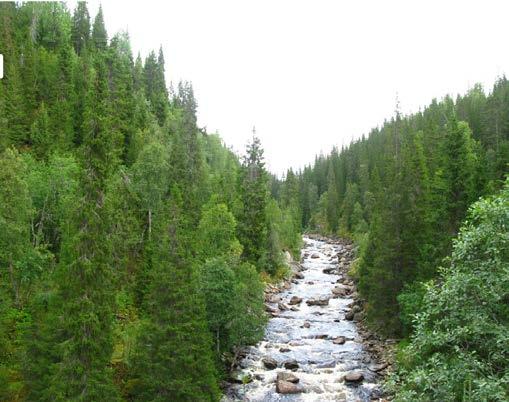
40,134
99,34
80,32
85,275
252,229
459,167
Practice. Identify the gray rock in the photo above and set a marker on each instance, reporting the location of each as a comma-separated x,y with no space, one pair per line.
274,299
377,367
286,376
291,364
269,363
315,255
354,376
341,290
286,387
322,301
340,340
358,317
295,300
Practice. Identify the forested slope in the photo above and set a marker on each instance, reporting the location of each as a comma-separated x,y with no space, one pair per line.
403,191
133,243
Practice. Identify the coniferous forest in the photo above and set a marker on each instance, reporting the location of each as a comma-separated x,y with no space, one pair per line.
135,246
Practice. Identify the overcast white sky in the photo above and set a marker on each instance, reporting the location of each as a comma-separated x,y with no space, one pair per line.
311,74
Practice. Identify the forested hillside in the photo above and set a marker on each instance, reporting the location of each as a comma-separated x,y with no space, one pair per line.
133,243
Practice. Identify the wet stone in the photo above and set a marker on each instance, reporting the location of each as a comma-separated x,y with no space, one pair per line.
354,376
286,387
269,363
291,364
286,376
340,340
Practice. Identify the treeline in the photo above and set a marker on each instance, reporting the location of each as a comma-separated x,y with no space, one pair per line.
402,193
133,244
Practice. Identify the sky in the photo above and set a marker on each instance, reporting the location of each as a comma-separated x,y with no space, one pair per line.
313,74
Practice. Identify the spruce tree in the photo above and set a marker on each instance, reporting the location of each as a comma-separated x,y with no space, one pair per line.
99,34
85,274
80,31
252,229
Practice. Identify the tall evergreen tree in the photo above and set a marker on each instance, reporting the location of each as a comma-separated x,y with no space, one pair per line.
85,277
80,33
99,34
252,229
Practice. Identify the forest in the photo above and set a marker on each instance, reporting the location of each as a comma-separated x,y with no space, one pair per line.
135,246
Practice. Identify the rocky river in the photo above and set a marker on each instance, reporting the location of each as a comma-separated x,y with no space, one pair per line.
312,349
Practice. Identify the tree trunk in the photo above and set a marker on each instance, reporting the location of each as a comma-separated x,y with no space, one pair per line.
149,223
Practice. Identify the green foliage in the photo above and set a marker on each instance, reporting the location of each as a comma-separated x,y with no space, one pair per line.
218,288
248,315
174,355
459,351
15,215
217,232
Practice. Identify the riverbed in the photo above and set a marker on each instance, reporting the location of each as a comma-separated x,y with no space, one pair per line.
311,351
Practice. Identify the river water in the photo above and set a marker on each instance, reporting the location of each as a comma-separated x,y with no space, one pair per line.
305,335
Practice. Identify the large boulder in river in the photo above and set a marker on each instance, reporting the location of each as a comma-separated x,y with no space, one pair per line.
269,363
287,387
291,364
286,376
354,376
295,300
322,301
340,340
329,271
315,255
349,316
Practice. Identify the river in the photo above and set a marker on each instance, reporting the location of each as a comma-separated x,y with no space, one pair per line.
309,348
